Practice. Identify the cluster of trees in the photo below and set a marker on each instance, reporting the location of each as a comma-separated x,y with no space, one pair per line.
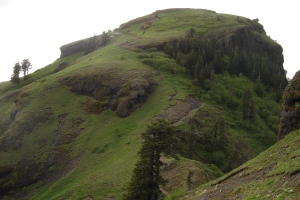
206,141
203,56
161,138
24,67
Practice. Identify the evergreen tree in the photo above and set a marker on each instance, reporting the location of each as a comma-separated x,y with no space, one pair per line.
248,106
218,62
16,73
189,180
26,66
251,114
105,38
191,33
146,176
234,63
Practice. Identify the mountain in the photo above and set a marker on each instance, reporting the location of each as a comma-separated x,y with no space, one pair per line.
72,129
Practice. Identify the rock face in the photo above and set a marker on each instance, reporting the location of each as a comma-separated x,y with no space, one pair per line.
72,48
249,40
121,93
290,117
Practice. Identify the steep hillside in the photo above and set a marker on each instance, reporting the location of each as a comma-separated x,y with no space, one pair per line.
274,174
72,129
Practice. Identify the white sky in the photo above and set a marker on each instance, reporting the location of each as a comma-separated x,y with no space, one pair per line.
35,29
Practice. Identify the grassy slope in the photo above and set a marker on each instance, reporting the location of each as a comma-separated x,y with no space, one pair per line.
174,23
107,148
109,168
274,174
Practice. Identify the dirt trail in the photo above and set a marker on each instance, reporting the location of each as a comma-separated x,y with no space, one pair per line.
228,188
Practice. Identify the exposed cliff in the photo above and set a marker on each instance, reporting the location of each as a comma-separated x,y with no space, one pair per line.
73,48
251,39
111,90
290,117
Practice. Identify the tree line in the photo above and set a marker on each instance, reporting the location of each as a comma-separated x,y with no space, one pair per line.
24,67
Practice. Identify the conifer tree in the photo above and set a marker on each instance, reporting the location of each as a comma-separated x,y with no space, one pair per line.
16,73
26,66
248,106
191,33
146,176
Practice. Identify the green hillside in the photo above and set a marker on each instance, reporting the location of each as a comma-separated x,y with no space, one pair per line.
72,129
274,174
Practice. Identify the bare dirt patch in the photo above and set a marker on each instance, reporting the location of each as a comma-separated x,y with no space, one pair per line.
181,111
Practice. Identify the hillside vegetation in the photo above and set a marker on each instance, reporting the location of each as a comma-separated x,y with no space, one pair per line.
274,174
72,129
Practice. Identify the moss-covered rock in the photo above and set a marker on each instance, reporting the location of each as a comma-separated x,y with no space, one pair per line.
290,117
111,89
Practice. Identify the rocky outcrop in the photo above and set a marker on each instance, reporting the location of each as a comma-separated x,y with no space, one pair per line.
121,93
72,48
290,116
250,39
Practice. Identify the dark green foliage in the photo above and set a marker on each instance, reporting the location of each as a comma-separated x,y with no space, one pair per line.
235,98
26,66
248,106
146,178
206,139
104,39
191,33
201,54
189,180
16,73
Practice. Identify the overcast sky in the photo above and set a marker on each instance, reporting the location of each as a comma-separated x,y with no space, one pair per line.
35,29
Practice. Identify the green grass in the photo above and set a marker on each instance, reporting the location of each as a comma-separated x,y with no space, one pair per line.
111,169
175,23
115,140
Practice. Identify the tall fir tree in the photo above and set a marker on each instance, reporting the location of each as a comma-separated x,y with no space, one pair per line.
146,178
26,66
16,73
248,106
